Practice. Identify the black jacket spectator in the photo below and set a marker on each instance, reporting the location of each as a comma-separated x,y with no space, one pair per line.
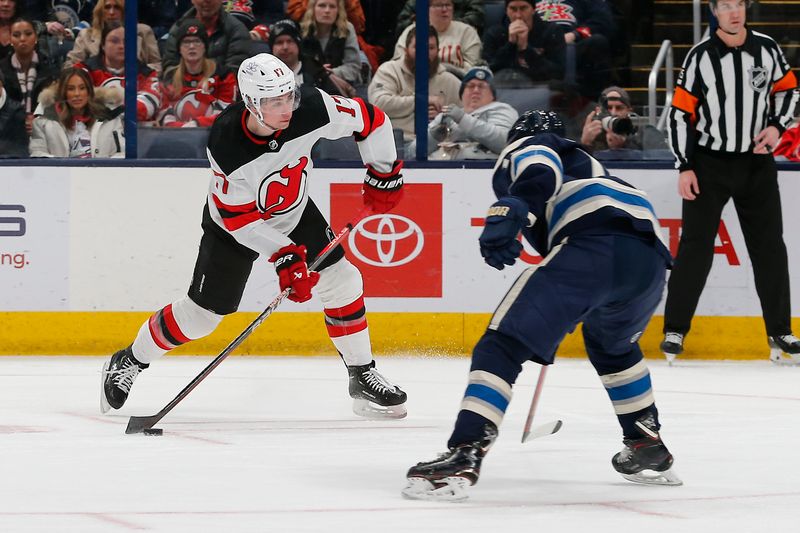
158,14
13,137
542,60
229,45
46,73
584,17
588,24
333,53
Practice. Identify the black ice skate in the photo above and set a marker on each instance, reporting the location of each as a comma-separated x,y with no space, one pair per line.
646,460
373,395
784,349
117,378
447,477
672,345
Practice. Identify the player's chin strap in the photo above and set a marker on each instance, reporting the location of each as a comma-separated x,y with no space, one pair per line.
259,116
137,424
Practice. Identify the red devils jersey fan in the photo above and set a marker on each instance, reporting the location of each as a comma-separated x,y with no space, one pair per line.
107,69
258,203
198,89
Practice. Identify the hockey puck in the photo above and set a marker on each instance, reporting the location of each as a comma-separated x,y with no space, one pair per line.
153,431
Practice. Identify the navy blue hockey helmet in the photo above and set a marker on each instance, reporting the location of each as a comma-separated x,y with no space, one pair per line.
535,122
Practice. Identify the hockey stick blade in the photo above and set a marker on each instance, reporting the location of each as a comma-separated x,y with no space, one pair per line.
137,424
542,431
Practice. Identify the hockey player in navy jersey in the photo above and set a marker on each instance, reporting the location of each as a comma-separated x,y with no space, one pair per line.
259,150
604,265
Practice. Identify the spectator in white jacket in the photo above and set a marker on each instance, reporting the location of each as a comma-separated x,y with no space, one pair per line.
478,128
78,121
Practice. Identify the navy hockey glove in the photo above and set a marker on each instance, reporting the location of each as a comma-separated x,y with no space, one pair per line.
382,191
498,242
290,265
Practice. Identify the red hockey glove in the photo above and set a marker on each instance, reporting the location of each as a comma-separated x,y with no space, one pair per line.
290,265
381,191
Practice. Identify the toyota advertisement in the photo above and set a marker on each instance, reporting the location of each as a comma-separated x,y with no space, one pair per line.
399,253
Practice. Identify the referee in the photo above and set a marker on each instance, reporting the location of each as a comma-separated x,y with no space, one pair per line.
735,96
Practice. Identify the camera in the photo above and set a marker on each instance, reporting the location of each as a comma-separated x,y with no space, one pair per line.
620,125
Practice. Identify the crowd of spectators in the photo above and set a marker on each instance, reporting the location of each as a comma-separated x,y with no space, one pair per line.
188,52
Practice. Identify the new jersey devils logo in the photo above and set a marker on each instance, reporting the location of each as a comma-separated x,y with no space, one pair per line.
283,190
192,105
114,82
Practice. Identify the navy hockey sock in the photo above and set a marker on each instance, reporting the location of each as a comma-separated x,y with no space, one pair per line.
485,399
631,394
496,363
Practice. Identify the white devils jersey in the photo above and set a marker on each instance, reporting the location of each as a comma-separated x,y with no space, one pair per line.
259,187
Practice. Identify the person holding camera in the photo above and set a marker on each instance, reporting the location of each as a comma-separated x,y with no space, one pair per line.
613,126
609,126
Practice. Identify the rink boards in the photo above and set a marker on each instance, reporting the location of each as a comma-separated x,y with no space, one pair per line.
87,253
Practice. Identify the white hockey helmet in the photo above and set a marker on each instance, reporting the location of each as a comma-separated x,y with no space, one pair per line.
264,76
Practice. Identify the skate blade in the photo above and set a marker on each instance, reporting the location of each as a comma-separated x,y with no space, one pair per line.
652,477
452,489
104,405
781,359
670,357
372,410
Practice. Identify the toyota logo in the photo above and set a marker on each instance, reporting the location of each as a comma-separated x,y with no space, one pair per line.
387,234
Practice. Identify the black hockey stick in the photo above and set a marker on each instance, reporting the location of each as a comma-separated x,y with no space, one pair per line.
545,429
138,424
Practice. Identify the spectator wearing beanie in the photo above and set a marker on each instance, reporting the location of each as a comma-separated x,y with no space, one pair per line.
478,128
285,43
198,89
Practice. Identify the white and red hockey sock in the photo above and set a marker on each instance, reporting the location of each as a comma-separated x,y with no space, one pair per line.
172,326
347,328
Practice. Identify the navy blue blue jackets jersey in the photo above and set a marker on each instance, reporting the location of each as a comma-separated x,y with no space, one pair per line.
570,192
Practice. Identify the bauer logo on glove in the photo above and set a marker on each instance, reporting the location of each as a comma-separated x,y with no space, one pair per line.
383,191
498,241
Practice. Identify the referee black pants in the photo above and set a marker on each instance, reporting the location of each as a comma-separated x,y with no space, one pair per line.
752,181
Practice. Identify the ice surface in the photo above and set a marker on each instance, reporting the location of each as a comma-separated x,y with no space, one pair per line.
270,445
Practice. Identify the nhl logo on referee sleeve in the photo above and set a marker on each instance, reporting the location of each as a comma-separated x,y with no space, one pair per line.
759,78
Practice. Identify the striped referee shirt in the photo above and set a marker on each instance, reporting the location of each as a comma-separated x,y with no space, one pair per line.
726,96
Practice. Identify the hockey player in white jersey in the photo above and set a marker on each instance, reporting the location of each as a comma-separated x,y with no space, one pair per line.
258,203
